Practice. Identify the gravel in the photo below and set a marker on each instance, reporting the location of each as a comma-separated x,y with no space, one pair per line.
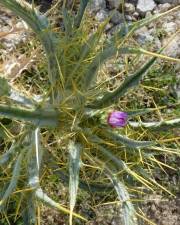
96,5
114,4
144,6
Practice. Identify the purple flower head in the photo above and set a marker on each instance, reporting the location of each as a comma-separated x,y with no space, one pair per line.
117,119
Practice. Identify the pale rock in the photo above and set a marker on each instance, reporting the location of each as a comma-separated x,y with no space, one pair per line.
14,67
96,5
173,48
129,8
144,6
101,15
108,27
130,18
164,7
169,27
157,43
136,14
143,35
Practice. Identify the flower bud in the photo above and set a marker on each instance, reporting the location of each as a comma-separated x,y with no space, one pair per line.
117,119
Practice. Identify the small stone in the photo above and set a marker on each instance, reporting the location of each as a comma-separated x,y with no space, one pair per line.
148,14
168,1
164,7
169,27
153,208
157,43
144,6
173,49
136,14
108,27
143,35
117,17
130,18
101,15
96,5
129,8
114,4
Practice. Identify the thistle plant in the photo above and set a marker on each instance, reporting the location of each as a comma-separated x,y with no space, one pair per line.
77,113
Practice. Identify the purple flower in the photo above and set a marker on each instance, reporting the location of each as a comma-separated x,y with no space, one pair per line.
117,119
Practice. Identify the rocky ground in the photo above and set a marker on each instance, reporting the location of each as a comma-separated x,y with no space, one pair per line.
13,32
156,34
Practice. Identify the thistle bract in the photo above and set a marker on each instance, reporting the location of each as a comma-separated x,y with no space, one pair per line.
117,119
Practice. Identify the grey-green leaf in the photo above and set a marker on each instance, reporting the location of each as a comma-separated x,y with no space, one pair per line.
156,126
82,7
39,118
4,87
34,159
101,58
128,211
120,139
130,82
74,167
14,179
67,22
6,157
29,213
139,112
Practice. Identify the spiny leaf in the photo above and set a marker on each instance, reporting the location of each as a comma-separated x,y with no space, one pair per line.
82,7
22,99
157,126
74,166
89,46
40,195
4,87
101,58
39,118
67,22
34,159
120,139
29,213
129,82
120,164
128,211
14,179
139,112
6,157
64,176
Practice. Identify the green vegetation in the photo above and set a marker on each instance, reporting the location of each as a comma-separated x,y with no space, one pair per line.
65,129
